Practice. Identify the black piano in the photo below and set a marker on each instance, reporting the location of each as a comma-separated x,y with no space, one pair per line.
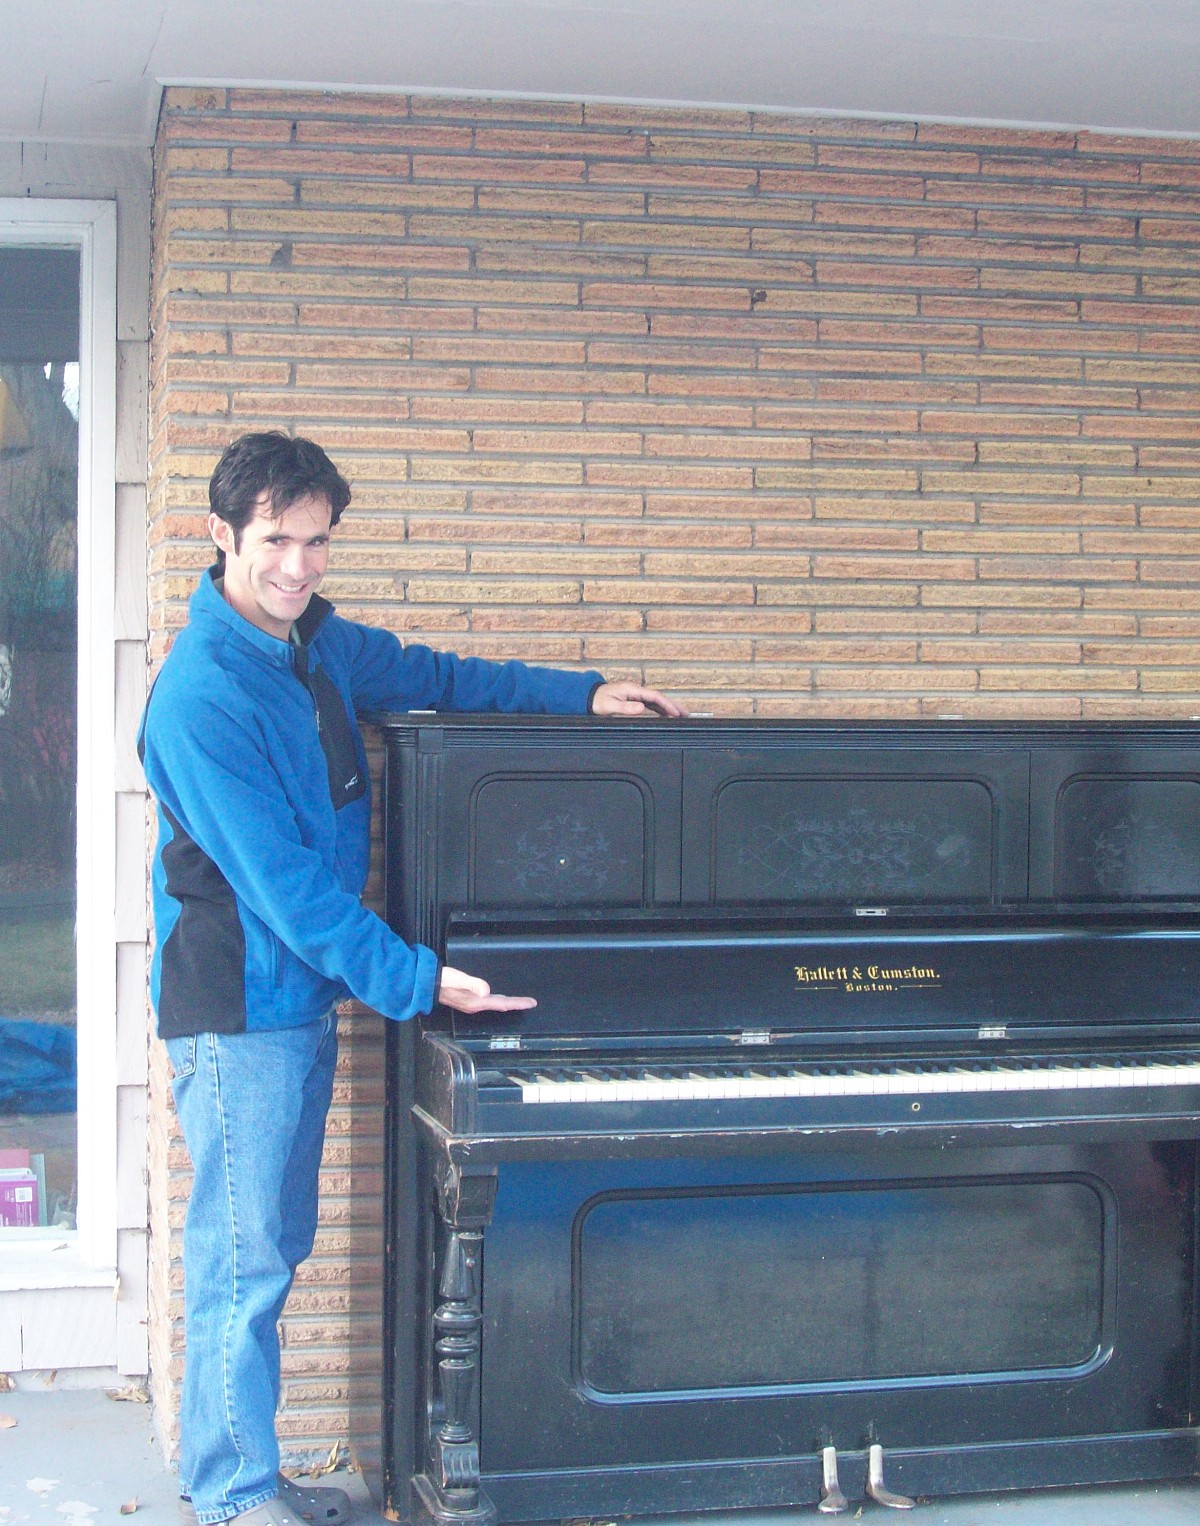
851,1149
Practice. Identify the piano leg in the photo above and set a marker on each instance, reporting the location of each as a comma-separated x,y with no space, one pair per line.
449,1489
876,1488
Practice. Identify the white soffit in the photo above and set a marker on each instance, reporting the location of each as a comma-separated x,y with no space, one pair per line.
76,69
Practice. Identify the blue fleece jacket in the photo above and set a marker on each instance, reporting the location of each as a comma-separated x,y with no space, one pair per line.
255,759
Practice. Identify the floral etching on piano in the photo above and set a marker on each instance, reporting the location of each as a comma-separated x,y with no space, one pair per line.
851,855
562,858
1138,855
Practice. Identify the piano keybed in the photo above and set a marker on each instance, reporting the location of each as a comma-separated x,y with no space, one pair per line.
852,1078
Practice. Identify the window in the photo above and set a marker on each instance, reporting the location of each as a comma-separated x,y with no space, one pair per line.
57,750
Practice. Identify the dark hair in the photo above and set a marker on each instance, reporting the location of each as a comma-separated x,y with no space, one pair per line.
275,463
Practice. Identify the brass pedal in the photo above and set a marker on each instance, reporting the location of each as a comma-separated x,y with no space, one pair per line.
832,1501
876,1488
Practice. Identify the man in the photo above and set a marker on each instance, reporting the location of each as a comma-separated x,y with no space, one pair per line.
252,751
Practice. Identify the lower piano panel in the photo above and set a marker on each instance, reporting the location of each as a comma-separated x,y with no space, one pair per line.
681,1333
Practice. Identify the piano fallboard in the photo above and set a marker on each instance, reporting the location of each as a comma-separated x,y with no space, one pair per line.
843,979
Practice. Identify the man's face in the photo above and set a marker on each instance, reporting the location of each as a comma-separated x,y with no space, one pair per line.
279,564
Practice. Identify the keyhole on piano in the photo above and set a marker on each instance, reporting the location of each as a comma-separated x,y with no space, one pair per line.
916,1107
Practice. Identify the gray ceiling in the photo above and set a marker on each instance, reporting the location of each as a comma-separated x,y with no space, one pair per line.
93,69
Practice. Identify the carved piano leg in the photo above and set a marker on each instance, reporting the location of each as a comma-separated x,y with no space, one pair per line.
876,1487
449,1488
832,1501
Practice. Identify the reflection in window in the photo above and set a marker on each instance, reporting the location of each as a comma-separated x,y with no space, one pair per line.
39,447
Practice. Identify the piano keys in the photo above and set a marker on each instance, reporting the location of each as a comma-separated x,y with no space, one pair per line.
697,1083
852,1148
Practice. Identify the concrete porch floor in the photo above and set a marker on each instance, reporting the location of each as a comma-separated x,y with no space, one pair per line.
74,1457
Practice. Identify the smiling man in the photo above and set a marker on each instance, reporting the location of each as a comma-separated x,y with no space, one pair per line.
252,750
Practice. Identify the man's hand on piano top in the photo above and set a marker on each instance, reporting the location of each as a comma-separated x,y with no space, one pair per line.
628,698
467,993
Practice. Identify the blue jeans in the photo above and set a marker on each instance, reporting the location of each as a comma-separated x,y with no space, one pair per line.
252,1107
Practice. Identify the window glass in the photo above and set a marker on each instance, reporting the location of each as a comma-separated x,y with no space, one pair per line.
39,450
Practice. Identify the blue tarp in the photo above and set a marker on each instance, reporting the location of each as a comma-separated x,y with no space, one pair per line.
37,1067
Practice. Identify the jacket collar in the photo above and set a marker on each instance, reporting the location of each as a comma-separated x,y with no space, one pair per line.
208,602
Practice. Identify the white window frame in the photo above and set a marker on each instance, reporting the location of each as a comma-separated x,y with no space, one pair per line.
91,228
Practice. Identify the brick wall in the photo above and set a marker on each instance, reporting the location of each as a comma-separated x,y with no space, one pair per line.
790,416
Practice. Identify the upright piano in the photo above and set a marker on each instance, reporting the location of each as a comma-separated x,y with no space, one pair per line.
851,1148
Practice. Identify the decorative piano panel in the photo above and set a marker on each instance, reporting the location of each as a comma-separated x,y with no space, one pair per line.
820,1287
896,840
555,842
566,827
1129,840
834,824
1117,823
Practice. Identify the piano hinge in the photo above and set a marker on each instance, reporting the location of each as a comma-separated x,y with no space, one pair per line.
993,1030
504,1041
753,1036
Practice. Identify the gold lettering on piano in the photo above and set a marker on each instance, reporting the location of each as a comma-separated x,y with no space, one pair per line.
872,977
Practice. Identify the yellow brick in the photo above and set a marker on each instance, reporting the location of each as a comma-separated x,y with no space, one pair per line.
180,99
1143,486
1071,623
542,502
901,679
691,535
563,200
675,564
545,442
492,591
304,283
577,561
838,480
734,447
1078,678
871,568
306,221
664,475
1005,596
398,197
587,619
641,648
875,650
1079,569
477,109
476,469
657,591
1006,653
487,170
1023,542
991,482
756,621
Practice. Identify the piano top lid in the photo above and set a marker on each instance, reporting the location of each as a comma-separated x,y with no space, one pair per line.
657,729
1044,975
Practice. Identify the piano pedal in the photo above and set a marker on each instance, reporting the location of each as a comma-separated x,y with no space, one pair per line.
832,1501
876,1488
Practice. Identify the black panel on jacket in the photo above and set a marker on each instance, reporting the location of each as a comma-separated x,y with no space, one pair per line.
202,984
347,781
